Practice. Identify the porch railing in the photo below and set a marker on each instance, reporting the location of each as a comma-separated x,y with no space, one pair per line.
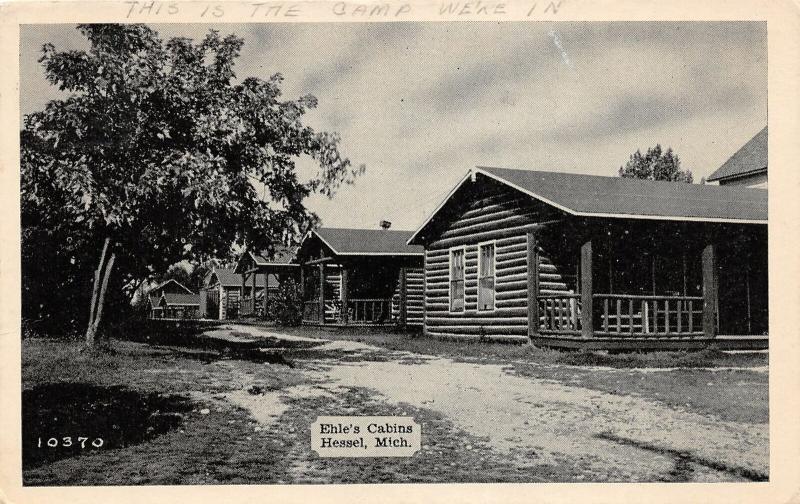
559,313
625,314
369,311
621,315
311,312
247,307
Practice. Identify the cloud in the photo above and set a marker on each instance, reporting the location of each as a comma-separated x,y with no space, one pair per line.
420,103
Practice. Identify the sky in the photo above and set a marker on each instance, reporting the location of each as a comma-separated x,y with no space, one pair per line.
419,104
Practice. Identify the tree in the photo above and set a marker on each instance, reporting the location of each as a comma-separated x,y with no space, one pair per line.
158,155
655,165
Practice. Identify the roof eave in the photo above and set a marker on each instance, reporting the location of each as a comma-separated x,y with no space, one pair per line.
713,178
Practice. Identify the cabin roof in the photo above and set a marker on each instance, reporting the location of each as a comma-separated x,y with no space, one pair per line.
181,299
280,256
160,287
750,159
375,242
227,277
618,197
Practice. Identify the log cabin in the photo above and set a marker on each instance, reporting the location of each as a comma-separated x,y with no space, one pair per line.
580,261
222,290
259,270
365,277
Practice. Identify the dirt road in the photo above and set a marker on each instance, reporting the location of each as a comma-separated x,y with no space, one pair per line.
602,436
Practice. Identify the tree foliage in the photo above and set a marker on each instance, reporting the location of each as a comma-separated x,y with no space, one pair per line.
159,149
655,165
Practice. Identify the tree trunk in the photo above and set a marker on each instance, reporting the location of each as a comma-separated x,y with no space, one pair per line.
101,277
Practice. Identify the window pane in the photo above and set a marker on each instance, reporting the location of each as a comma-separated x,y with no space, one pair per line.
457,280
486,281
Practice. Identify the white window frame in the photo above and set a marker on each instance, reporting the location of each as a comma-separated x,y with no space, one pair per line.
493,243
463,249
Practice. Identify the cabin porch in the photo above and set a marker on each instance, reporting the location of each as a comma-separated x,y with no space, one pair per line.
361,291
626,285
259,282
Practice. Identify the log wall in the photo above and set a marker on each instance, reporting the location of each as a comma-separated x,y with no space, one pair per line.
498,214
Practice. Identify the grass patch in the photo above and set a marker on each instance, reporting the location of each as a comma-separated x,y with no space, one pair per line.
507,352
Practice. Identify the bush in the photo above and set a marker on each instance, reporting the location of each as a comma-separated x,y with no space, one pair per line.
286,306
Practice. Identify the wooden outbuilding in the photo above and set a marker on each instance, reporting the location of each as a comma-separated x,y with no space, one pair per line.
156,294
581,261
361,277
222,291
176,305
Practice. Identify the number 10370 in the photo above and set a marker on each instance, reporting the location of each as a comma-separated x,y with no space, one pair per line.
67,442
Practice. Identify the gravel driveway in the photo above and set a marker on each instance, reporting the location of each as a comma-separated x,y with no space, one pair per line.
606,436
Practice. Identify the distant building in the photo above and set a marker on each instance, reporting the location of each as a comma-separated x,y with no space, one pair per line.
176,305
747,167
222,290
361,277
156,295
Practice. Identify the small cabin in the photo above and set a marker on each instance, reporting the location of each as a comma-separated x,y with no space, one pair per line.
176,305
222,290
366,277
581,261
156,294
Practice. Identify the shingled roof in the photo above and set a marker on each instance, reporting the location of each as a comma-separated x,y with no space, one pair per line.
347,241
181,299
618,197
227,277
280,256
750,159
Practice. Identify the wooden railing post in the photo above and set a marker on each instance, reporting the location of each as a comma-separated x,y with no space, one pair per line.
241,293
321,293
266,293
587,329
403,299
709,291
533,287
344,314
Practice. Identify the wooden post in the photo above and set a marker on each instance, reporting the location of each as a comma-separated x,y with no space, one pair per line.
344,295
533,287
709,291
321,293
266,293
587,330
253,292
302,282
403,299
241,294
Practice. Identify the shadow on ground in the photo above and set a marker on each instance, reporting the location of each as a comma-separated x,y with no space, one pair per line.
683,460
119,416
192,340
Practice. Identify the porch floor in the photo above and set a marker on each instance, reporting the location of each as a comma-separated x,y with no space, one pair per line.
723,342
